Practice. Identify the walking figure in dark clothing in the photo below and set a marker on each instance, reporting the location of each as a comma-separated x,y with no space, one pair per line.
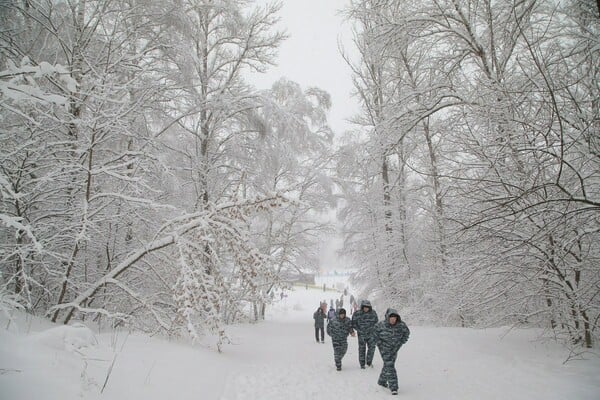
330,314
390,335
319,317
364,321
339,328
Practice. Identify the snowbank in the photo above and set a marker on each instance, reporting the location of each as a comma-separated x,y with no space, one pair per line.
65,337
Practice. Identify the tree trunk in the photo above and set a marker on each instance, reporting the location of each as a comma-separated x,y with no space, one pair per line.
386,195
437,193
75,108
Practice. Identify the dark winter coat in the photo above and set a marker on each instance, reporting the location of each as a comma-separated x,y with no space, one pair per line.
389,338
364,322
339,329
319,317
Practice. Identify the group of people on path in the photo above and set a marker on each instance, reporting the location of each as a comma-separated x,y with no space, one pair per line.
388,335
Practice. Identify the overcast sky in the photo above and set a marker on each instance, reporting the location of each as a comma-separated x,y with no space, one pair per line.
311,56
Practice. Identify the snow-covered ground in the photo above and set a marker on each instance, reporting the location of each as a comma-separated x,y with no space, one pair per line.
279,359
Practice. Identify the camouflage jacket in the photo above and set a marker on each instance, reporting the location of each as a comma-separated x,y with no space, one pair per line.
364,322
389,338
339,329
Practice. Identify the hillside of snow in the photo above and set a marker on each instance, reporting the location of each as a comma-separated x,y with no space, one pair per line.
279,359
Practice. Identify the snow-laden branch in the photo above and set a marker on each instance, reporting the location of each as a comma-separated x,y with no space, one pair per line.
131,199
15,223
141,300
17,83
181,226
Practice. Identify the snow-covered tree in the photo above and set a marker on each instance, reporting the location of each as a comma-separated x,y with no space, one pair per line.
497,107
291,156
132,166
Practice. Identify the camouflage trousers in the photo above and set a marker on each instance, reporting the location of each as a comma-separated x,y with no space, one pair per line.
339,351
363,353
388,376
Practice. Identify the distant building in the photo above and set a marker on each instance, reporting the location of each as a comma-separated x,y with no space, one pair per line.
297,277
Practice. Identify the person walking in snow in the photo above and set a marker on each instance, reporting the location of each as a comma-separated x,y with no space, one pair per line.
319,317
330,314
389,335
324,306
363,322
339,328
353,305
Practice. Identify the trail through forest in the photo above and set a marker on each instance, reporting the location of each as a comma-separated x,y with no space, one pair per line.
279,359
436,363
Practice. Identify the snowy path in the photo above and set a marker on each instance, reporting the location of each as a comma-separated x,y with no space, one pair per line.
288,363
436,363
279,359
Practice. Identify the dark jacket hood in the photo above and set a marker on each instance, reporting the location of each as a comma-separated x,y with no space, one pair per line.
366,303
392,311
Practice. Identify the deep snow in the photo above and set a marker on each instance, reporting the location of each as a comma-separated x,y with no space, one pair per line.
279,359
